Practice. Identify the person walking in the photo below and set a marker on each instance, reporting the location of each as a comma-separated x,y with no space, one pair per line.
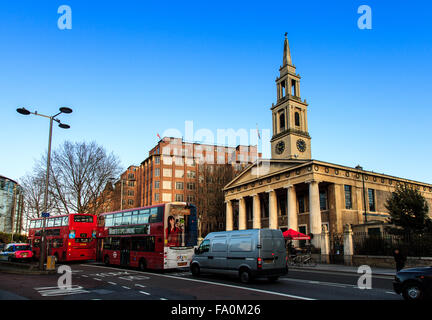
399,259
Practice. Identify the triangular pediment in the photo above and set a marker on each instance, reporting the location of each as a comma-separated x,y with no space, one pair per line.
263,168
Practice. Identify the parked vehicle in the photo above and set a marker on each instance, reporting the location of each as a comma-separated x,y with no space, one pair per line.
248,254
17,251
414,283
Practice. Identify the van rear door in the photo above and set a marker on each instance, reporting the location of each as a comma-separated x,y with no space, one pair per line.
272,252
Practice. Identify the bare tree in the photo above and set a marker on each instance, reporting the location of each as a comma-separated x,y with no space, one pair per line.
79,174
209,195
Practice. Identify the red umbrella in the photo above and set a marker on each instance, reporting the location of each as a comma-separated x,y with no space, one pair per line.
295,235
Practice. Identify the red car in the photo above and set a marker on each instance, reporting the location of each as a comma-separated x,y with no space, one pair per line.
17,251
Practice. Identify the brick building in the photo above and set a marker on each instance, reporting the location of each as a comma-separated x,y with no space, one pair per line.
174,171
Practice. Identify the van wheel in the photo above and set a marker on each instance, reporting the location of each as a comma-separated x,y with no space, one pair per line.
245,276
107,260
195,269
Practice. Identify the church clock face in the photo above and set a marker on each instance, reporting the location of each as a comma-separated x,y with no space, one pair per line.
301,145
280,147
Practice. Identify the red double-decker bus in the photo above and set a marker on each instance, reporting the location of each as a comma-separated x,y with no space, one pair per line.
156,237
69,237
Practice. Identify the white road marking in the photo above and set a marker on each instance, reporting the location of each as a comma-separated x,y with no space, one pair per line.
56,291
113,283
125,287
146,293
215,283
97,279
163,299
140,285
331,284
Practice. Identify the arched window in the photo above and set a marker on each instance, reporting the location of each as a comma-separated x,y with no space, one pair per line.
282,121
297,119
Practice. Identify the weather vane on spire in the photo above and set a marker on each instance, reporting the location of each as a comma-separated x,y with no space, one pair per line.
286,35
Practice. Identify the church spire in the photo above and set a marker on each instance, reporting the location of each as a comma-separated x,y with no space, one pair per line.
287,53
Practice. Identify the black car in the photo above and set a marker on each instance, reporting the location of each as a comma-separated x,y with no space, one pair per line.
414,283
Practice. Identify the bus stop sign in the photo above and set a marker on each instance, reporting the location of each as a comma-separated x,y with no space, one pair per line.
45,214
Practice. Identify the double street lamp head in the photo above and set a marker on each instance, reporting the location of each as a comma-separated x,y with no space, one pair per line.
66,110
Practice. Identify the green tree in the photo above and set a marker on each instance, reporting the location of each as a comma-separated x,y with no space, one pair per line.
408,212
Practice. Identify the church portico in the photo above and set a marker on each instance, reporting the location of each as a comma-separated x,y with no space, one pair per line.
293,191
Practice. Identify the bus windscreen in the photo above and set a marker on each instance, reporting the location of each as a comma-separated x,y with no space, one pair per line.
180,226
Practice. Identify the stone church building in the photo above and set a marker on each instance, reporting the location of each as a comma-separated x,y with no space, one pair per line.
292,190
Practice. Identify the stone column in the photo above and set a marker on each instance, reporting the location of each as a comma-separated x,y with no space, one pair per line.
242,214
273,221
348,245
292,208
229,215
314,213
325,245
256,212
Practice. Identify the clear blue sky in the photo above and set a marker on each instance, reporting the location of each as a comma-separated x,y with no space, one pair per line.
132,69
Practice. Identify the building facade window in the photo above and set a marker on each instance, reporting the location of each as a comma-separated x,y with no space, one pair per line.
282,121
371,196
190,186
167,172
348,197
190,198
156,196
179,197
323,200
157,172
167,197
179,173
297,119
191,174
179,185
301,203
157,160
166,185
157,184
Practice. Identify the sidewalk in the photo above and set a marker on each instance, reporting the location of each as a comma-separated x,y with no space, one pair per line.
345,269
22,268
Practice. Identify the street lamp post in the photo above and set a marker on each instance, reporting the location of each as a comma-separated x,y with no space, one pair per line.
25,112
364,194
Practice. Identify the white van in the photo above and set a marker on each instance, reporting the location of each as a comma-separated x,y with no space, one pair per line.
248,254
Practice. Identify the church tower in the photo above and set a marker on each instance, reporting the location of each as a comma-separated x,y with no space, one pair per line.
290,139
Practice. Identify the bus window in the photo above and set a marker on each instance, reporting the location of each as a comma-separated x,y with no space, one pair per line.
109,220
143,217
57,222
118,219
65,221
38,224
32,224
134,219
50,222
81,218
126,218
156,215
112,244
146,244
